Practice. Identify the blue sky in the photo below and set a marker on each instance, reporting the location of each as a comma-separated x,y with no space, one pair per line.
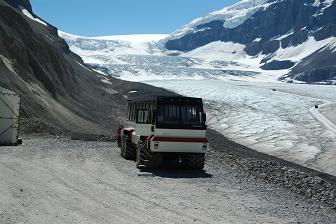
111,17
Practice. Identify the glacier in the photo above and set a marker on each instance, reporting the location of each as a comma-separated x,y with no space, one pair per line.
273,118
247,104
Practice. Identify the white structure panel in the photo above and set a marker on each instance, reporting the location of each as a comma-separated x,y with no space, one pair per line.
184,147
180,133
9,117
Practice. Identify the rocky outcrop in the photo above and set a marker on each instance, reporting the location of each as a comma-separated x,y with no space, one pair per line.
316,68
277,65
282,24
322,75
17,3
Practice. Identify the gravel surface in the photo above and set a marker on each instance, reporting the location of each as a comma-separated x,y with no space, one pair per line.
311,184
53,180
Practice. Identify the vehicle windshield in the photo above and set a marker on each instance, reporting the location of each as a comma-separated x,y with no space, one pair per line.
180,116
191,115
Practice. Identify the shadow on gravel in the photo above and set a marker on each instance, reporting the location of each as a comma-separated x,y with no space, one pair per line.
180,173
173,169
91,137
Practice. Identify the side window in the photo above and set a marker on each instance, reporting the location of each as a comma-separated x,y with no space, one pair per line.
191,115
142,116
168,114
133,112
127,112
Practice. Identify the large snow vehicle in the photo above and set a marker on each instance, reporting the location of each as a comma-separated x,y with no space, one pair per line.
164,128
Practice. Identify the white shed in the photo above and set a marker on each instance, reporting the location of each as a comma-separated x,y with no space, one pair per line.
9,117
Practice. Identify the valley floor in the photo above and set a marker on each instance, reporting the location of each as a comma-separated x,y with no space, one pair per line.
275,118
49,180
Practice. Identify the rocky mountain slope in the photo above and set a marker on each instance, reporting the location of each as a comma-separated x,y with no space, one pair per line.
274,31
58,92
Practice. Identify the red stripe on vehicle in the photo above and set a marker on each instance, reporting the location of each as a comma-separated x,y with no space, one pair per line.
169,139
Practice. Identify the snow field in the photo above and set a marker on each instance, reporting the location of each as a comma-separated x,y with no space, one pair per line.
143,56
274,122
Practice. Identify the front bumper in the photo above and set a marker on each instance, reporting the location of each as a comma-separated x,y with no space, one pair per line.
179,145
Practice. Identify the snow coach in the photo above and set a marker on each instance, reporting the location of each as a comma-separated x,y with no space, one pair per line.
164,128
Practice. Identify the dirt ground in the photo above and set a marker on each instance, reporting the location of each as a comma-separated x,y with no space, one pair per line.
52,180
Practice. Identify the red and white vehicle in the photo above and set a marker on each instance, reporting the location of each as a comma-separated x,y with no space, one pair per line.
164,128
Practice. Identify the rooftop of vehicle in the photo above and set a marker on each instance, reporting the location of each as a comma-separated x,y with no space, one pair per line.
165,99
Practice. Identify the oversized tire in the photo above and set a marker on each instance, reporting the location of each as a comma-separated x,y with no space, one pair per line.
127,150
119,142
145,159
193,161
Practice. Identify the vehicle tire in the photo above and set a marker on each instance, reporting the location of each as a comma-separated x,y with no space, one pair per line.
119,142
140,157
155,161
127,150
193,161
146,160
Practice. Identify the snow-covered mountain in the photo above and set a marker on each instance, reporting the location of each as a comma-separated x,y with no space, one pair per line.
282,34
259,39
143,58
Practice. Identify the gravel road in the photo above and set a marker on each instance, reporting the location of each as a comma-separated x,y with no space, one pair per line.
52,180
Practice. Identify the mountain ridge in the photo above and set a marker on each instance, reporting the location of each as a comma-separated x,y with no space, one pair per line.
276,25
17,3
